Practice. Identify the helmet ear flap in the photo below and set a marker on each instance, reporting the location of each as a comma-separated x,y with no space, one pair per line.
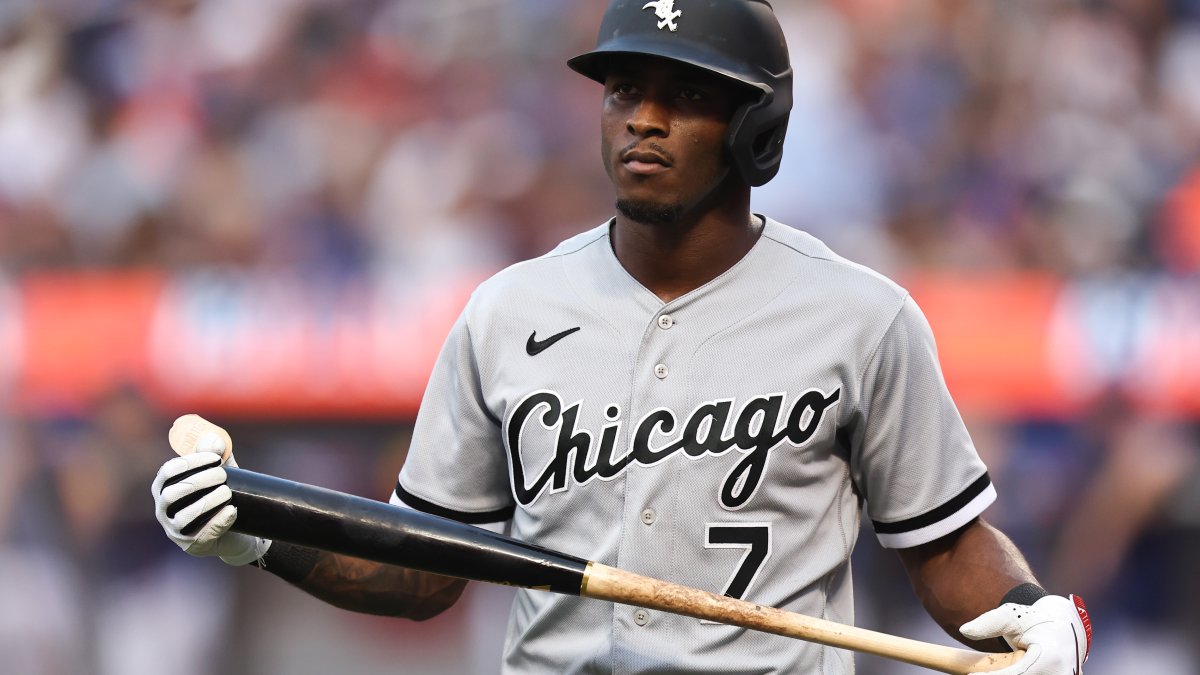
767,152
755,141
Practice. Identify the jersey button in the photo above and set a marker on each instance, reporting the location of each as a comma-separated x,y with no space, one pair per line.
665,321
660,371
648,516
641,617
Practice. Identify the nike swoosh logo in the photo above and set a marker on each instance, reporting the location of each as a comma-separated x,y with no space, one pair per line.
533,346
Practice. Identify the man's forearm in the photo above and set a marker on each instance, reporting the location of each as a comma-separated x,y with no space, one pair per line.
965,574
362,585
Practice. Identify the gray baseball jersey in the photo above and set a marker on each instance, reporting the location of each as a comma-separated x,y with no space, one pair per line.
725,440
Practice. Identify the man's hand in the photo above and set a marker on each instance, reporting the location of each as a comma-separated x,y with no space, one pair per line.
192,503
1055,633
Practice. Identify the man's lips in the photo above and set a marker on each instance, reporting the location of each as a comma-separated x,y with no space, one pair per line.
644,162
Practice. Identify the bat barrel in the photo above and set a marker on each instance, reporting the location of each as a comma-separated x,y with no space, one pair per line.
324,519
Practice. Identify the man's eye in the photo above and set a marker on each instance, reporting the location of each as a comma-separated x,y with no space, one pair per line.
691,94
624,89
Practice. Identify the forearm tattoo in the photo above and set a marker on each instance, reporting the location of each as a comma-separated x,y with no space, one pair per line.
362,585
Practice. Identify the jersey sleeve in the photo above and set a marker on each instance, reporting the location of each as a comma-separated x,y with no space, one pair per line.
456,465
915,463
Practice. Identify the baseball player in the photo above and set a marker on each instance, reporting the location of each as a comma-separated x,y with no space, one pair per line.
691,392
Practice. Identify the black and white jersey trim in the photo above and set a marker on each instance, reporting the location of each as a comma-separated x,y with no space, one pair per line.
938,522
471,518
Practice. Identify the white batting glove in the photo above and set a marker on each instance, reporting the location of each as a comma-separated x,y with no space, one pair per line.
192,503
1055,632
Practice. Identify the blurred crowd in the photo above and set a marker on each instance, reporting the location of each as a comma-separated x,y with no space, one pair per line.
354,137
314,137
369,138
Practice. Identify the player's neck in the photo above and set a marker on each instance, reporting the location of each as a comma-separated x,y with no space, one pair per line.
673,260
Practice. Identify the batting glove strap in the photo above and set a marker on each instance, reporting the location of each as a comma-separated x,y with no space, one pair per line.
1055,632
1024,594
193,505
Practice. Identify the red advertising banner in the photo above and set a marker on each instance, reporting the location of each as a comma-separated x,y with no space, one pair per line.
79,335
238,345
261,346
993,340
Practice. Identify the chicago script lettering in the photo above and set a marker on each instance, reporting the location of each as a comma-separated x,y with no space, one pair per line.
757,429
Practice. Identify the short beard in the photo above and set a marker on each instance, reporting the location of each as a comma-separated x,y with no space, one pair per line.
649,213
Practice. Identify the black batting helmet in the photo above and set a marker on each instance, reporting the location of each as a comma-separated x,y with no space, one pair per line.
737,39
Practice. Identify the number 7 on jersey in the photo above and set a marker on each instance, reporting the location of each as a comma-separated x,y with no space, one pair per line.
755,538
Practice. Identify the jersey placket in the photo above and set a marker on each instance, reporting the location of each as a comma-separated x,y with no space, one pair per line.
648,518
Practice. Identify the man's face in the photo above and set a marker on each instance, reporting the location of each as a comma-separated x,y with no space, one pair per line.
663,129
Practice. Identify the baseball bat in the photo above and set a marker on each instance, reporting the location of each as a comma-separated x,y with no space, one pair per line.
328,520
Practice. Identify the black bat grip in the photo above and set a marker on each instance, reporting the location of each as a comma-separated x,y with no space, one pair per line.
328,520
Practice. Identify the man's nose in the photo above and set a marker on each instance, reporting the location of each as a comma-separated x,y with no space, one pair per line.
650,117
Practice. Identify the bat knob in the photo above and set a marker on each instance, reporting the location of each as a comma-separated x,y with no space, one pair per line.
186,432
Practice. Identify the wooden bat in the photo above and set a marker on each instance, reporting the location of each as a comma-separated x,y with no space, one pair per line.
333,521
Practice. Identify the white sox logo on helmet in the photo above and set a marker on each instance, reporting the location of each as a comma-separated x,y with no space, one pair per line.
665,10
710,429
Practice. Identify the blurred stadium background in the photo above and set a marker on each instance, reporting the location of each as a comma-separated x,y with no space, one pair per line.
270,212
